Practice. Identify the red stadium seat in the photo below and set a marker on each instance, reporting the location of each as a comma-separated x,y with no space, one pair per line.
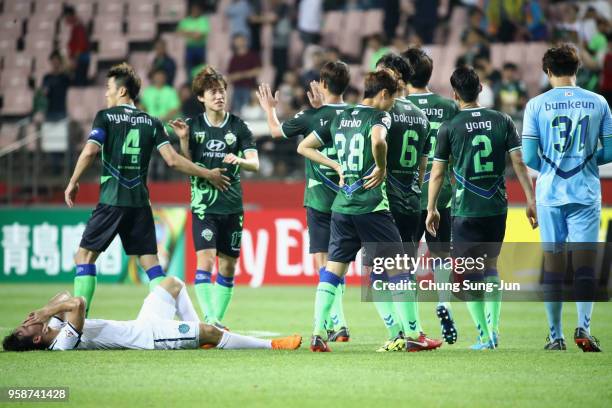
21,8
19,61
84,9
350,36
112,48
107,26
7,46
171,11
333,24
14,78
108,8
373,23
38,44
40,24
141,28
51,9
17,101
85,112
10,26
141,8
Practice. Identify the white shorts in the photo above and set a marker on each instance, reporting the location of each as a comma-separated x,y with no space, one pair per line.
157,314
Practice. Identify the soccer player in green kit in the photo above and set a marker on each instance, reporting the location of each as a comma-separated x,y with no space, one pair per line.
407,151
126,137
438,110
478,138
321,181
216,140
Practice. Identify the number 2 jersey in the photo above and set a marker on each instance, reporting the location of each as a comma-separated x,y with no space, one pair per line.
478,139
568,123
127,137
351,135
208,146
321,181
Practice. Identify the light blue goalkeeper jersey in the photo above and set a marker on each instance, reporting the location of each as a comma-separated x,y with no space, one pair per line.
568,122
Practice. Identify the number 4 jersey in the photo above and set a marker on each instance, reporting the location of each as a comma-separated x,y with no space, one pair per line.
351,135
478,139
568,123
127,137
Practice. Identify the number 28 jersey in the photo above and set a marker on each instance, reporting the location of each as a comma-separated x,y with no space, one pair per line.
351,135
478,139
127,137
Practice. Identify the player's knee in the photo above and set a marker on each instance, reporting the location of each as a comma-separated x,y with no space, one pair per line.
173,285
84,256
209,334
206,260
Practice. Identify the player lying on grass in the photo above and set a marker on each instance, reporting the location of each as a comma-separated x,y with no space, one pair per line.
61,325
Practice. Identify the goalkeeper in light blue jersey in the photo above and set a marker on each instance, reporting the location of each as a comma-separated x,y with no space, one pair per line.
567,134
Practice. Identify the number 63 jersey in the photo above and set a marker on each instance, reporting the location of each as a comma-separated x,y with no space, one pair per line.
478,139
568,123
127,137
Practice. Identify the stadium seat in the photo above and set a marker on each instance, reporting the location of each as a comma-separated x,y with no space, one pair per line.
497,55
51,9
141,8
81,112
17,101
112,48
40,24
19,61
107,26
7,46
171,11
108,8
9,133
84,9
20,8
296,47
175,45
141,61
14,78
38,44
373,22
10,26
141,28
350,36
333,22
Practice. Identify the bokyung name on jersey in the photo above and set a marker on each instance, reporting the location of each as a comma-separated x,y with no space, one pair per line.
134,120
472,126
411,120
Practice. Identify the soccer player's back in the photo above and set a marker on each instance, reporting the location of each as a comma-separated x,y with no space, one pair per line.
565,126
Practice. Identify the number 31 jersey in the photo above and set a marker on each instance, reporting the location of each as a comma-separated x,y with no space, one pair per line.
568,123
127,137
478,139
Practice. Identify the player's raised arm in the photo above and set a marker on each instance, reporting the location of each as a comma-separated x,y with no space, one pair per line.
268,103
181,164
73,309
308,148
181,129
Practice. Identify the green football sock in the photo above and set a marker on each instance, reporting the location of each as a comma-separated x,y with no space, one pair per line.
493,304
386,311
336,316
405,303
204,293
85,283
224,290
324,300
442,274
477,311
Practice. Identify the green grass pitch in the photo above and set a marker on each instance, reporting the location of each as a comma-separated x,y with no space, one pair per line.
519,373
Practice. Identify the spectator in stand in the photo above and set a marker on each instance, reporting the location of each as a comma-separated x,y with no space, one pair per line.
238,14
244,68
331,54
571,28
190,106
281,34
377,48
425,19
78,47
291,95
391,9
535,20
195,28
159,99
352,96
252,111
310,18
475,44
55,87
313,63
486,97
511,96
506,19
162,60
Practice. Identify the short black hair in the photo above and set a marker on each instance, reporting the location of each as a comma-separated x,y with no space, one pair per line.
398,64
422,66
125,76
466,84
336,76
55,54
378,81
510,65
561,61
69,10
15,342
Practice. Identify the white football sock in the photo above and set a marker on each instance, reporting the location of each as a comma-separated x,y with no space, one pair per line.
231,341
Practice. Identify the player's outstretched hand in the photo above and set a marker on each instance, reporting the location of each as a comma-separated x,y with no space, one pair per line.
375,178
218,180
71,193
432,222
532,215
265,97
315,95
180,128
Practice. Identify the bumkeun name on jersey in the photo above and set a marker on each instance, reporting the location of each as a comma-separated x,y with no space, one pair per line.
471,126
411,120
569,105
134,120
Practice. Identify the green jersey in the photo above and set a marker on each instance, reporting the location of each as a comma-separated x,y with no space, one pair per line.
127,137
407,142
351,135
478,140
438,110
208,146
321,181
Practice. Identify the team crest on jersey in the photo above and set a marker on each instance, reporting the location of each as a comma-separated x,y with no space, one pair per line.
207,234
183,328
355,112
569,93
386,121
230,138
